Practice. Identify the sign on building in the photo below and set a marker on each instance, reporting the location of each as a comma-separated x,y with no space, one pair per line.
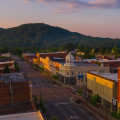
114,104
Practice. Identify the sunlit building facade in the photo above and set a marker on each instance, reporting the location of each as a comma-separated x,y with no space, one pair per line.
107,86
69,71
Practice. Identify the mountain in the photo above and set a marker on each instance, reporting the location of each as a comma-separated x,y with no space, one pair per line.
1,28
44,36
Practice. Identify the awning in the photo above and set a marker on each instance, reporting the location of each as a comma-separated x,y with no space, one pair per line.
80,76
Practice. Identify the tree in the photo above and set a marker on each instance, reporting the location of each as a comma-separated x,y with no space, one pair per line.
80,92
17,67
102,50
115,50
55,77
41,104
53,50
69,47
35,99
54,118
87,50
3,50
18,52
6,69
79,47
96,50
94,99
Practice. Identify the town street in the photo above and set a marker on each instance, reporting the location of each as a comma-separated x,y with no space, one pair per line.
57,99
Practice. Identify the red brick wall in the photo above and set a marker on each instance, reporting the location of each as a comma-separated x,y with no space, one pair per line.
111,64
5,98
4,65
57,55
21,93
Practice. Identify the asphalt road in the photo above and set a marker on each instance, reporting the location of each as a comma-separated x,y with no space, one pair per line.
57,99
70,111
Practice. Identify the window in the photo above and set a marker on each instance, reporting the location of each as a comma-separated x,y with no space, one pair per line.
72,72
67,73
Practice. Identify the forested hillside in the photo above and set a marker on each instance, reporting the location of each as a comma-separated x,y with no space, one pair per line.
46,36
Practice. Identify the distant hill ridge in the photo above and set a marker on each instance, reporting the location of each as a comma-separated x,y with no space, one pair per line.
45,36
1,28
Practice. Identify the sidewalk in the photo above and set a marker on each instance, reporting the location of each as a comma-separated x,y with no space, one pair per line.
99,112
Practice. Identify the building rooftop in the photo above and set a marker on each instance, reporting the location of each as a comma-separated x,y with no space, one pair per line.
29,54
17,108
6,62
51,52
23,116
84,64
88,60
109,60
15,77
111,76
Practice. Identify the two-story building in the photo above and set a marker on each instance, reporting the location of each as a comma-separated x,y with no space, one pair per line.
107,86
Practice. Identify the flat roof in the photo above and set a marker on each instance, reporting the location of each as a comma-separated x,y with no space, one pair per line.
28,54
111,76
51,52
23,116
16,109
85,64
88,60
77,63
15,77
109,61
6,62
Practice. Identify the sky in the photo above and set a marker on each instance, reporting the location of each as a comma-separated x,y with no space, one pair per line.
98,18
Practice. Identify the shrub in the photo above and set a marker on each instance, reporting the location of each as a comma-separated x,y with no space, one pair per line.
94,99
55,77
80,92
6,69
39,103
54,118
117,116
17,67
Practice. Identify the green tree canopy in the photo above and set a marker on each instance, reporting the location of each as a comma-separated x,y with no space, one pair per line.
115,49
6,69
4,50
70,47
18,51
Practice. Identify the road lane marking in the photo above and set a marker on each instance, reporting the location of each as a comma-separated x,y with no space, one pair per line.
72,111
73,117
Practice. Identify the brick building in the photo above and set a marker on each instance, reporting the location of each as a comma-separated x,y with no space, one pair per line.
50,55
113,64
29,56
3,65
14,90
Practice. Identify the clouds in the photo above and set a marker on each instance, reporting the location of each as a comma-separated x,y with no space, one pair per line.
65,6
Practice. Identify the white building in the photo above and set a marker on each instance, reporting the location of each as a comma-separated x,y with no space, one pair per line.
74,72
